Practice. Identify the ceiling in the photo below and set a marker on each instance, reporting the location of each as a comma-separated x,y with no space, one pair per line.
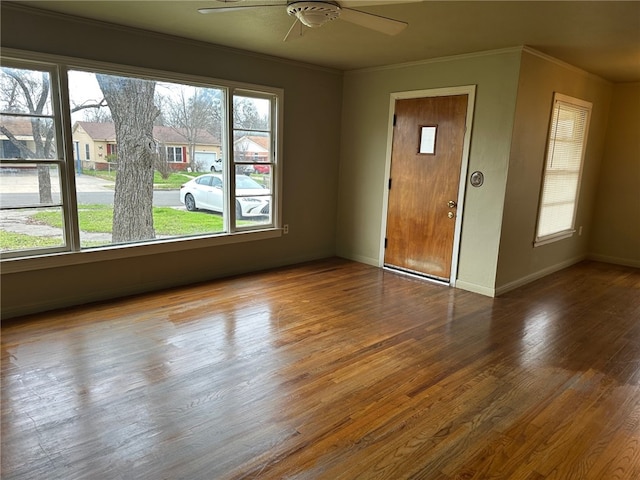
601,37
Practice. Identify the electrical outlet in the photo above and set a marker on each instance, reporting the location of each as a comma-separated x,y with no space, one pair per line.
285,228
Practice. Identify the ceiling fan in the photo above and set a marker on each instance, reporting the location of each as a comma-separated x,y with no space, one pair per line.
315,13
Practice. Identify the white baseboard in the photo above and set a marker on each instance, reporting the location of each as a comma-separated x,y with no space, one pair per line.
360,259
627,262
537,275
472,287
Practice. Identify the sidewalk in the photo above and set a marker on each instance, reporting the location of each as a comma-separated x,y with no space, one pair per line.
23,182
16,221
19,222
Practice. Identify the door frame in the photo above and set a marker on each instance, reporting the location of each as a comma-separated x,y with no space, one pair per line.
470,91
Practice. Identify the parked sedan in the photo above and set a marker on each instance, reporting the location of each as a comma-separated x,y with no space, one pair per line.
205,192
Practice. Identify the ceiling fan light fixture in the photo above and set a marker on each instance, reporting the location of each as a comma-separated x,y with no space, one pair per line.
314,14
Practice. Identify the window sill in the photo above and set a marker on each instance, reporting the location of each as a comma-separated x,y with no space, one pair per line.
553,238
65,259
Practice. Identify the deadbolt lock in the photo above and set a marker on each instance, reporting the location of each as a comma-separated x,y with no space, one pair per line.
450,214
452,204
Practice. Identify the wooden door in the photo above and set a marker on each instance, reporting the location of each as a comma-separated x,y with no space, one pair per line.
428,140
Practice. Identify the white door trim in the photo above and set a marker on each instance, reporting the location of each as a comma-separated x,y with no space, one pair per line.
470,91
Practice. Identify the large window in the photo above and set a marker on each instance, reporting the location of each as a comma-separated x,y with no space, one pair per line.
568,130
162,155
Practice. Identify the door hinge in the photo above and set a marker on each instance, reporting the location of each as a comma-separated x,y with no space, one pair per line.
385,242
394,119
389,184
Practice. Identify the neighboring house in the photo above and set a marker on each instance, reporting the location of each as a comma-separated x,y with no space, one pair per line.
95,146
252,148
22,131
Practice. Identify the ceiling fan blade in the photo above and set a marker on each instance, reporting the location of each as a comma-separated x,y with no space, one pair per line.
374,22
237,7
296,31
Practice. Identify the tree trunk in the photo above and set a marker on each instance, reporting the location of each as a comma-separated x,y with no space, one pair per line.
44,184
131,103
43,138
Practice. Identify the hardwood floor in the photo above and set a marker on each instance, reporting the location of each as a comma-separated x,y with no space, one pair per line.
331,370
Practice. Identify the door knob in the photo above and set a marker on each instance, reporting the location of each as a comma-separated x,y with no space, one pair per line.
452,204
450,214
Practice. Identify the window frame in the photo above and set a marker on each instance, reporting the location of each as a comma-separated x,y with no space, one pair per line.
171,158
72,253
552,137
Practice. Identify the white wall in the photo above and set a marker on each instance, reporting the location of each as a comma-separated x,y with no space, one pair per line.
519,262
365,114
615,234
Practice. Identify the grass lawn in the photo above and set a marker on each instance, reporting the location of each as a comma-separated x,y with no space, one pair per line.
17,241
166,220
172,182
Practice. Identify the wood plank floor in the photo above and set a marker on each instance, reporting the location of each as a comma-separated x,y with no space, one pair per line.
331,370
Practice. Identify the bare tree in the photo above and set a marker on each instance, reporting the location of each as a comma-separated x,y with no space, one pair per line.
191,114
133,111
98,115
246,116
161,162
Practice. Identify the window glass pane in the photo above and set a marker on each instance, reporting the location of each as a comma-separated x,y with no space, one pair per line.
27,138
251,146
149,143
27,129
29,185
31,228
560,188
556,218
253,201
565,152
250,113
25,91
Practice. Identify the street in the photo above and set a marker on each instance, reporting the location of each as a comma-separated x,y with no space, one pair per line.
161,198
21,189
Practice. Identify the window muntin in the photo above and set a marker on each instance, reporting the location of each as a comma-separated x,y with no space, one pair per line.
566,146
31,169
253,155
91,231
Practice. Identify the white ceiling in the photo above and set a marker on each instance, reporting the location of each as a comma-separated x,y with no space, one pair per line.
601,37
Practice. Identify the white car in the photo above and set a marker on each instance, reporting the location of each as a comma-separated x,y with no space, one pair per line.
205,193
210,159
216,165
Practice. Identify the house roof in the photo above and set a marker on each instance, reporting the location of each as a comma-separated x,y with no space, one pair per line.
20,127
262,143
106,132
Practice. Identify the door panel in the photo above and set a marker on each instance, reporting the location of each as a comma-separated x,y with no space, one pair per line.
420,218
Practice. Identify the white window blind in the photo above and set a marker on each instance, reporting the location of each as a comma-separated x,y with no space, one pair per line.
563,168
